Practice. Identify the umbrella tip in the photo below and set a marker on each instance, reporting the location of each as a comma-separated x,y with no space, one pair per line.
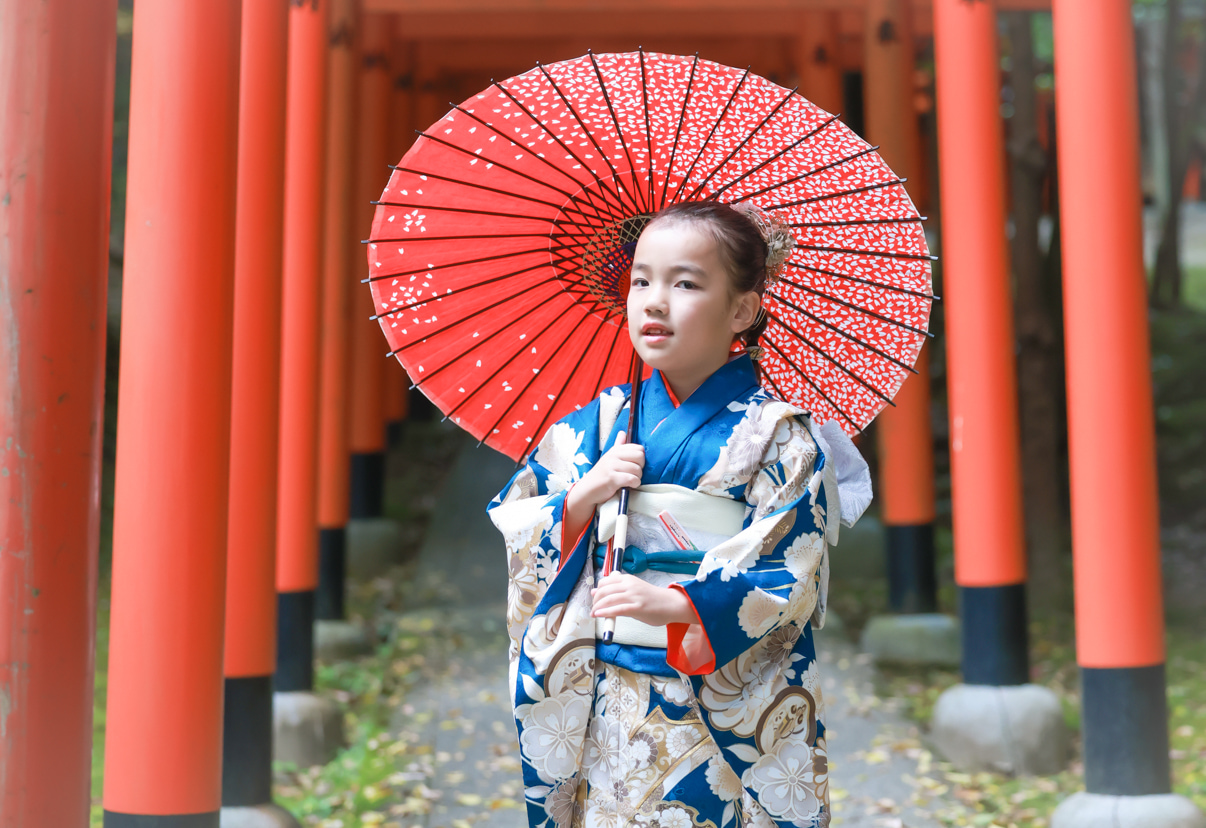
365,281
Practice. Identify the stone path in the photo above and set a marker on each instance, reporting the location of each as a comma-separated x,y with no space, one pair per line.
461,721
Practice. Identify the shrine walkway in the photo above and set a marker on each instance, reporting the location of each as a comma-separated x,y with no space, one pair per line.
461,714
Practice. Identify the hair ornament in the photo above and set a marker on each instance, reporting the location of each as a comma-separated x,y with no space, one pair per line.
778,237
756,352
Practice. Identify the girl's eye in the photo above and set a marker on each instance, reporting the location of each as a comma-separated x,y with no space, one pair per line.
638,281
688,285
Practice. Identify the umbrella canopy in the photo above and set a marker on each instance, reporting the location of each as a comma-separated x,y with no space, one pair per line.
500,249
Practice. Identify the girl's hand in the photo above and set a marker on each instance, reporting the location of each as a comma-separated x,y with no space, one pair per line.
619,468
627,595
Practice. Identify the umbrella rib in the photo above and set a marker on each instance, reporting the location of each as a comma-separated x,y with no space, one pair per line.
581,162
465,183
525,389
619,132
775,386
839,331
590,136
774,157
860,309
820,169
435,297
719,120
648,124
765,120
787,361
452,325
682,117
574,198
835,194
836,363
610,351
540,428
881,253
501,165
463,210
857,222
439,297
848,277
499,369
419,238
495,257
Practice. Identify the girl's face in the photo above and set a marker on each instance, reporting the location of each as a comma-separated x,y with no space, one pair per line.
682,312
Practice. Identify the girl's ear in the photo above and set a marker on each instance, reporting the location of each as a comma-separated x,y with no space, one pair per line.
746,311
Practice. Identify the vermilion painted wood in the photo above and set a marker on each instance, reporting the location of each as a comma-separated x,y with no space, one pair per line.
333,459
817,60
305,155
395,394
56,90
903,434
986,486
255,390
1115,526
164,721
368,371
905,444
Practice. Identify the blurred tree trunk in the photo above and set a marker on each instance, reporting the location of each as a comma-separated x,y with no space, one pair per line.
1182,104
1151,31
1038,345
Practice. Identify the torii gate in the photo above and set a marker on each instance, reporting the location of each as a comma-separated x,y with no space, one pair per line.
203,249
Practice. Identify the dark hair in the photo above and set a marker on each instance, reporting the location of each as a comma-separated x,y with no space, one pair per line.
740,245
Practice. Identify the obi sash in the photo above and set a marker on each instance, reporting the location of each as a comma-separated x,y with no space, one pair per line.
694,510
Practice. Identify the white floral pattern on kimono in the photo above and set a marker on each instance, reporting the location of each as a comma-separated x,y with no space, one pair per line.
724,727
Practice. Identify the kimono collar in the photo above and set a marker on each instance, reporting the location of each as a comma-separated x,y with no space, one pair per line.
732,381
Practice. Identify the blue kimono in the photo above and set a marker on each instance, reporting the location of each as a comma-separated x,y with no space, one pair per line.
722,724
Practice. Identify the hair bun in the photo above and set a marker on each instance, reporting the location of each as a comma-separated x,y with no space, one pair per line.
778,237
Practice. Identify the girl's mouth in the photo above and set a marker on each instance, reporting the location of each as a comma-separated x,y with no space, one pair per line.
655,331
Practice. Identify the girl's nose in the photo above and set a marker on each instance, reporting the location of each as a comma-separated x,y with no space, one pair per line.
655,299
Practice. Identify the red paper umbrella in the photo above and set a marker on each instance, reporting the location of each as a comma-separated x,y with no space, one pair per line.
500,250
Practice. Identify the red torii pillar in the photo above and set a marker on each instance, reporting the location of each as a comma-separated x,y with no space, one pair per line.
1115,525
163,751
816,58
254,411
56,127
307,728
904,436
995,719
367,421
395,396
333,456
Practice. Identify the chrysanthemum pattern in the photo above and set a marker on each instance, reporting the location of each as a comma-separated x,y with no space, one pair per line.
497,206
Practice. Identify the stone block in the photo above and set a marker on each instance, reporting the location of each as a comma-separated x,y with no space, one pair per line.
307,729
1086,810
1017,729
921,639
268,815
341,640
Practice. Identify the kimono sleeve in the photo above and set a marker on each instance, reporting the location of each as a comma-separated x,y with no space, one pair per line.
529,511
768,574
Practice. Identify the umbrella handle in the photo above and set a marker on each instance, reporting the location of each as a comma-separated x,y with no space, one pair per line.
619,540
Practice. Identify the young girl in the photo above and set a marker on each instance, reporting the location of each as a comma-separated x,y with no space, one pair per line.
706,709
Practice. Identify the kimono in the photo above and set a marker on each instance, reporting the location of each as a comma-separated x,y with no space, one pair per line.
723,724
